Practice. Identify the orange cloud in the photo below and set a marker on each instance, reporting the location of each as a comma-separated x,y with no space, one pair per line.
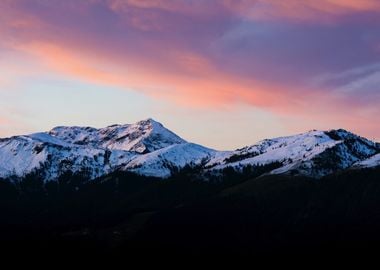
176,72
63,61
196,83
185,77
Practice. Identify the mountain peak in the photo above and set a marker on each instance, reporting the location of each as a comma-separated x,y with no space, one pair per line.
149,123
147,147
342,134
149,120
142,137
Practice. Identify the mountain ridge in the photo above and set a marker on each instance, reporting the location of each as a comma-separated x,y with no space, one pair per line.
150,149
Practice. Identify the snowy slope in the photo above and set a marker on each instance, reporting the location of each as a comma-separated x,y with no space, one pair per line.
161,163
142,137
95,152
314,153
298,147
148,148
42,153
371,162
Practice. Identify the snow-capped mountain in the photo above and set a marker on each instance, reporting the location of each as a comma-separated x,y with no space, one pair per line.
314,153
163,162
95,152
148,148
142,137
41,152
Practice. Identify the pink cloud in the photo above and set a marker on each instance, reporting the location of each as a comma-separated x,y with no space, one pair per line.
204,87
153,47
197,84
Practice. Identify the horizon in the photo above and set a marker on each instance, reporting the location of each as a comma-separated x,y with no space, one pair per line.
224,74
184,137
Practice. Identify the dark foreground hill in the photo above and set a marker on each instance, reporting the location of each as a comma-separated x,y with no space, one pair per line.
124,214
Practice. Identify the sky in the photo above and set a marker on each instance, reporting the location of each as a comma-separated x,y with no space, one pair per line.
222,73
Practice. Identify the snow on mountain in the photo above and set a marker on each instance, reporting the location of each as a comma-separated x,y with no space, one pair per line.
142,137
163,162
314,153
94,152
148,148
283,149
371,162
51,157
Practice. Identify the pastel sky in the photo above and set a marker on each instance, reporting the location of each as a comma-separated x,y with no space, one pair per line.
223,73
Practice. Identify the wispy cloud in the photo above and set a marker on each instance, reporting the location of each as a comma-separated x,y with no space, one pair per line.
314,59
321,11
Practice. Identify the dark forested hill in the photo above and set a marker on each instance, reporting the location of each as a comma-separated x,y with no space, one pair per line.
243,214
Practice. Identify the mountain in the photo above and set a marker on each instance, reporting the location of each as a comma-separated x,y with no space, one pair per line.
259,199
314,153
163,162
371,162
148,148
86,150
142,137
